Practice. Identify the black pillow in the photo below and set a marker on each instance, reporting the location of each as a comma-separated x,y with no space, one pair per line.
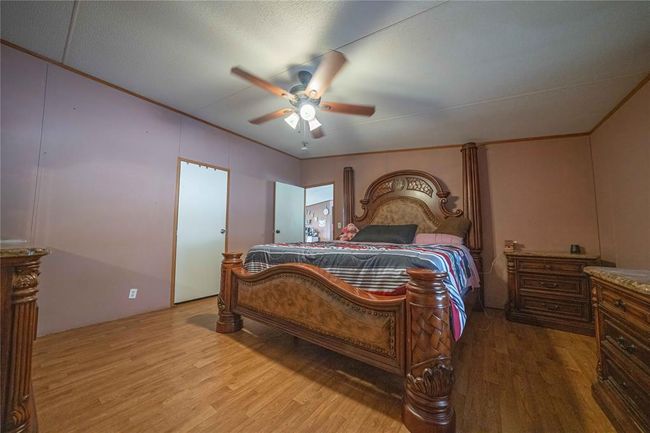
402,234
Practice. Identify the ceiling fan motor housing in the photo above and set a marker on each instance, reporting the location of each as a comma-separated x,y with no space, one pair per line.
304,77
299,90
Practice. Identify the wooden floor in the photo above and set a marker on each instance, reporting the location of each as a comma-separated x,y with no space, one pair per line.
169,371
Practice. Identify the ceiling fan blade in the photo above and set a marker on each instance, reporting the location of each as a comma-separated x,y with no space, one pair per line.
339,107
263,84
317,133
274,115
327,70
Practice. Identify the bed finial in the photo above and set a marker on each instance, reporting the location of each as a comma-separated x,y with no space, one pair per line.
348,195
228,321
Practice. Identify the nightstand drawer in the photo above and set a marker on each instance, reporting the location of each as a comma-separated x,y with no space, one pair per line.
627,309
562,308
574,287
550,266
625,342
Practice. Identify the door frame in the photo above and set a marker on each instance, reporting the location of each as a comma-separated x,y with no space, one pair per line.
179,160
333,183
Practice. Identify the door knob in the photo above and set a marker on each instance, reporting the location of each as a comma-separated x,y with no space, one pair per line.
277,231
222,231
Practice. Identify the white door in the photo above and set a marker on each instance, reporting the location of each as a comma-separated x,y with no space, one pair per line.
289,213
200,231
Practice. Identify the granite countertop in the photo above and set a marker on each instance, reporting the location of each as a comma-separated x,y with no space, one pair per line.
20,249
633,279
551,254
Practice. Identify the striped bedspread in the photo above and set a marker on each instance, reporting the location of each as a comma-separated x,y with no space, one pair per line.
376,267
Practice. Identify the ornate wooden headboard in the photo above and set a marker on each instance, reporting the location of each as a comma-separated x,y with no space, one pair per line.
406,197
417,197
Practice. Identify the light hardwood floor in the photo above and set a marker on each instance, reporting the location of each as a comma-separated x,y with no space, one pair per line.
168,371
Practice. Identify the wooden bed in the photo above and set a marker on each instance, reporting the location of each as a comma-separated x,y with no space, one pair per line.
408,334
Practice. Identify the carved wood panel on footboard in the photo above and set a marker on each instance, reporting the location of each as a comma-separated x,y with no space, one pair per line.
304,302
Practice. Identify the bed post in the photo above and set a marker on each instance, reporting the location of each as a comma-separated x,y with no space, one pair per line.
228,321
348,195
472,209
429,373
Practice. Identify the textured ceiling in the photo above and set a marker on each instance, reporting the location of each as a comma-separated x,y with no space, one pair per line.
439,72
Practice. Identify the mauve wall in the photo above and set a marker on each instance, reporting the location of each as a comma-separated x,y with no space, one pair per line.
621,157
106,188
22,92
539,193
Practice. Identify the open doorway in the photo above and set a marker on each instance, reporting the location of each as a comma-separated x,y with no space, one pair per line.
319,213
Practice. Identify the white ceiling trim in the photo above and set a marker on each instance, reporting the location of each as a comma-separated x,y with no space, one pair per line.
68,38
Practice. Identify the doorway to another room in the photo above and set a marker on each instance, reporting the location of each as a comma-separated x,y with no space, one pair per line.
319,213
304,214
201,230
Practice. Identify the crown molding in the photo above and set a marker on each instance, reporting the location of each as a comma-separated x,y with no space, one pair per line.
621,103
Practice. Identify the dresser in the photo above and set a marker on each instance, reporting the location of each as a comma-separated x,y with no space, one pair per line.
550,289
621,299
18,293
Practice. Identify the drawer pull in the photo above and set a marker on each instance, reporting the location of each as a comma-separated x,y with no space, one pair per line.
620,304
628,347
552,307
548,266
624,384
549,285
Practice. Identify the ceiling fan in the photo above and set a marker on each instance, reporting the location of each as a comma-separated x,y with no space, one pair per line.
305,97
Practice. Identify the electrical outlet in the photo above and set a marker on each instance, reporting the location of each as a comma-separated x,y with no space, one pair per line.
133,293
339,225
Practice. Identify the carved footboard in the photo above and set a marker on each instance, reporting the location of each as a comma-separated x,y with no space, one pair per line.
408,335
310,303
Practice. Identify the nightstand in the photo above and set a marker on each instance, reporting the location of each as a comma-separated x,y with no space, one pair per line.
550,289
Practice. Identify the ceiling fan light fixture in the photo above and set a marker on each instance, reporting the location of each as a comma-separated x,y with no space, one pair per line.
305,97
314,124
292,120
307,112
